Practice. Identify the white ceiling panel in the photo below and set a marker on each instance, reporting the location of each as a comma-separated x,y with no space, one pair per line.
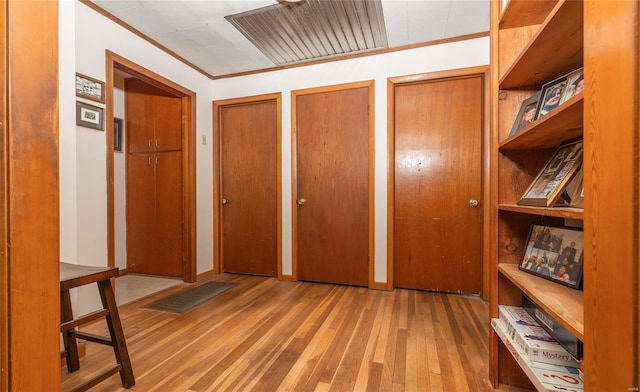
467,17
198,31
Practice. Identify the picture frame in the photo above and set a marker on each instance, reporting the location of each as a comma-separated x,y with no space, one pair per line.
551,94
556,254
577,199
118,123
526,114
89,88
575,85
89,116
550,182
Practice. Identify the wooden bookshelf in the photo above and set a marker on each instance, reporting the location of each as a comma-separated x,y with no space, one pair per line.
553,52
561,302
525,13
558,212
532,43
561,124
528,55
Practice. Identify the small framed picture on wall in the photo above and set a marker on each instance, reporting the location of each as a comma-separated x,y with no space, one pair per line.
89,116
117,134
89,88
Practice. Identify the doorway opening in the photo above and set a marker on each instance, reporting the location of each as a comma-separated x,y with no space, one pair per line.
119,67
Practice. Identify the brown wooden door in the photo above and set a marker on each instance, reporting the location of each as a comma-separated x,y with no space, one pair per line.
154,213
438,144
140,109
140,212
154,185
332,133
155,116
168,122
248,134
168,214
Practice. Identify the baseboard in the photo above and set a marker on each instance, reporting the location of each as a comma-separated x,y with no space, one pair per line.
82,351
381,286
205,276
286,278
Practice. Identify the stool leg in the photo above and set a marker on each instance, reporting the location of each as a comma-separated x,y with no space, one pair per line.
69,337
117,335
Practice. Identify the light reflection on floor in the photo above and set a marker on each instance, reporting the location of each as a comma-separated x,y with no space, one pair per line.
132,287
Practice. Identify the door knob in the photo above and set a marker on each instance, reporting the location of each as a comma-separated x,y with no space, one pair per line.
225,201
473,203
301,202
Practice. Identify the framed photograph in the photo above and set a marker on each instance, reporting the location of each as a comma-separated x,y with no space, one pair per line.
554,177
555,253
577,200
551,95
117,134
575,85
526,114
89,88
89,116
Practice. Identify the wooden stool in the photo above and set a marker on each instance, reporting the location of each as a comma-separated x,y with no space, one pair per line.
72,275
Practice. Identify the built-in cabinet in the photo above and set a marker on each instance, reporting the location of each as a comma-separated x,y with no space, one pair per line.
155,115
153,181
534,42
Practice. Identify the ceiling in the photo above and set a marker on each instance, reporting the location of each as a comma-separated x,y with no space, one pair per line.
197,30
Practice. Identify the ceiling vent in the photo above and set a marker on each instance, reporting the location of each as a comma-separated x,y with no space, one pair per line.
291,32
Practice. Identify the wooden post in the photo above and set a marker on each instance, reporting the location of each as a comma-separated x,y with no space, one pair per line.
29,197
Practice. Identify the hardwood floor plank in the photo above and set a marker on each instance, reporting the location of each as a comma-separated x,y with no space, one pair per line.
267,335
400,363
372,342
388,365
308,368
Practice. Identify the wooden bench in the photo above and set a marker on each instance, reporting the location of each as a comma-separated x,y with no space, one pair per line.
73,275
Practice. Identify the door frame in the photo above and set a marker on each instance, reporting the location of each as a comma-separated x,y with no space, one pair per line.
370,85
188,98
218,105
393,82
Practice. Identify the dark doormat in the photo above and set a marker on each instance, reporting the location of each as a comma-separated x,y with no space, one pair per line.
186,300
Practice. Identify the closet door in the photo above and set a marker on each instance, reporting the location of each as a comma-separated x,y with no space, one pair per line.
140,213
140,109
154,214
332,136
168,122
156,117
168,213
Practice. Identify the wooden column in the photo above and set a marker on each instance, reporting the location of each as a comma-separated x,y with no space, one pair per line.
29,204
611,195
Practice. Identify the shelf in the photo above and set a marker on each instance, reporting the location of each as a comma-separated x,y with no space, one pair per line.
543,376
557,49
558,212
561,124
562,303
519,13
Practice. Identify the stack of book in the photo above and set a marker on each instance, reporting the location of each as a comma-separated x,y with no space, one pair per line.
547,364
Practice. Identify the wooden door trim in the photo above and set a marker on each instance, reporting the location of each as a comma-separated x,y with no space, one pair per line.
217,156
188,99
370,85
392,82
5,370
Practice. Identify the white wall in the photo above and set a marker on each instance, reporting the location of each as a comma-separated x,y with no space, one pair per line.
85,35
378,68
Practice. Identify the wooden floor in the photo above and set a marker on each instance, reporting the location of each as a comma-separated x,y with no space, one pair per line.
267,335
